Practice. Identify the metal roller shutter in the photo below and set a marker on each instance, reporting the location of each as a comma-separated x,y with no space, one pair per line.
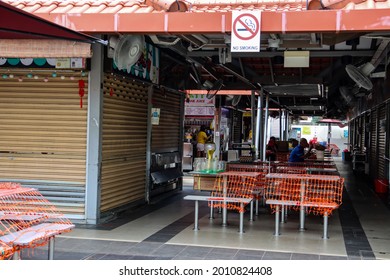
362,124
382,166
166,135
43,134
236,126
351,132
374,143
166,142
123,174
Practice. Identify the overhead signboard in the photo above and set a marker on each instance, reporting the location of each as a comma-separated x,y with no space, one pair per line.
245,31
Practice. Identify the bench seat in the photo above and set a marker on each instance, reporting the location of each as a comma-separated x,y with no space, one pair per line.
197,198
36,233
278,203
219,199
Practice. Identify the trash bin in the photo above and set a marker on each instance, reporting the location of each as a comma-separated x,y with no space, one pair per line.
346,156
381,185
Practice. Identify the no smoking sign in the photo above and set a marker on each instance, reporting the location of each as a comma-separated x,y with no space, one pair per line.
245,31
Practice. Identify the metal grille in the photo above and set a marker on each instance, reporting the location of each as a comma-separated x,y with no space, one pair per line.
237,126
166,135
382,171
373,156
123,172
43,135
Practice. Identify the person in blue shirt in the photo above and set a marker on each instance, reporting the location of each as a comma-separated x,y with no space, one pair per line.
298,153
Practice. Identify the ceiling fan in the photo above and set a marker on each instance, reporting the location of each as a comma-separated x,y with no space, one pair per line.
212,88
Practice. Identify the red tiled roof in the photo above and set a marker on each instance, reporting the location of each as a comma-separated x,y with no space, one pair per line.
82,7
193,6
209,16
263,5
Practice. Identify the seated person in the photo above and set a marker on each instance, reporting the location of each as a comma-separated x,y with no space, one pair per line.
298,153
272,149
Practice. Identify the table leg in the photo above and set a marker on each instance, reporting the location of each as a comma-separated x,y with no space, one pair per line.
325,234
224,215
51,248
211,210
277,221
16,255
282,215
285,212
251,211
302,218
302,208
196,226
257,206
241,230
224,206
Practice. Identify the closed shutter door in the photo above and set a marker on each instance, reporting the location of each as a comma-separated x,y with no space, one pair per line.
382,171
236,126
351,132
43,135
166,135
362,124
123,173
373,144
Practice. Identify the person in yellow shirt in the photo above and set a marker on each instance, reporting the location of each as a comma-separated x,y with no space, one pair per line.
250,135
201,138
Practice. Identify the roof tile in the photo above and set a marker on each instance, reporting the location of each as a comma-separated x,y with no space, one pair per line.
131,9
195,6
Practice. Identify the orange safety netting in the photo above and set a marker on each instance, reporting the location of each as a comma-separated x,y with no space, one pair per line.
5,251
282,156
311,164
232,186
248,167
26,216
261,169
290,170
317,193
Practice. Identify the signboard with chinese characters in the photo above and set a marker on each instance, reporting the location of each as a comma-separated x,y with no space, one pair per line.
199,100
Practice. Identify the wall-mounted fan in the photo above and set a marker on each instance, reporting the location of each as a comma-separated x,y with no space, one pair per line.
126,50
361,75
212,88
236,99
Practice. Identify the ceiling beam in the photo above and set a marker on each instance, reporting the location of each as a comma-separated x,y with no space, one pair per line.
266,54
241,78
286,80
338,21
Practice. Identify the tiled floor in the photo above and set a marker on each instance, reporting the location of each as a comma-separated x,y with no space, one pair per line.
359,229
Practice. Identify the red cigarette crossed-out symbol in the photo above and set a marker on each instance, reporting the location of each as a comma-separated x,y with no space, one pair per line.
246,26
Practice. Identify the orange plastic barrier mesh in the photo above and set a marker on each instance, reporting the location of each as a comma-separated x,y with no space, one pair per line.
248,167
261,169
282,156
318,193
290,170
5,251
305,165
22,208
232,186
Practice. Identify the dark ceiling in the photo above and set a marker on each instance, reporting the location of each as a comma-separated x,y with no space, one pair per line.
190,60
